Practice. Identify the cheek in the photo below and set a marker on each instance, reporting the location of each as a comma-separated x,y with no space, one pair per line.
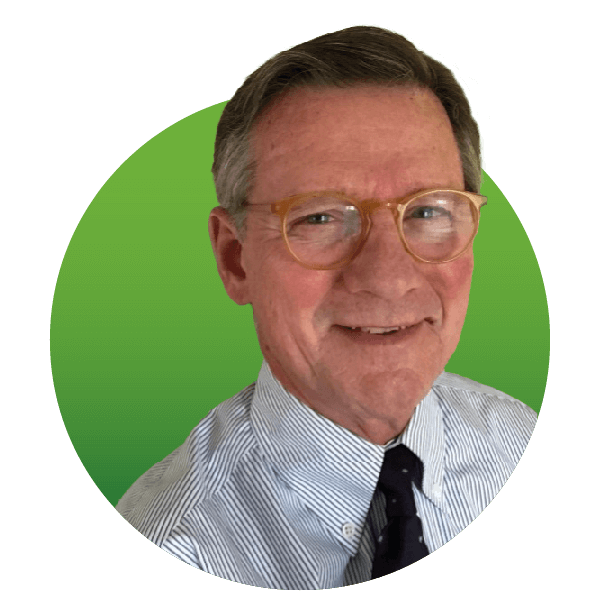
452,283
285,296
456,303
306,289
457,280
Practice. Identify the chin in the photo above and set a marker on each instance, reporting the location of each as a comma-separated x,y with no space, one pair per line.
405,381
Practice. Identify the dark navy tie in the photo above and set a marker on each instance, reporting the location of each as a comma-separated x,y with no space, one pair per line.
401,541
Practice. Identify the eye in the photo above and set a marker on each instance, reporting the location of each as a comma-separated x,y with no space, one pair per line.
428,212
317,219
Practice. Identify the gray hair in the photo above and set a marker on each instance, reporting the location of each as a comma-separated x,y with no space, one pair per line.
350,57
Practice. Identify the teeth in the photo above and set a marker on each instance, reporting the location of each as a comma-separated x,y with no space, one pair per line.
378,329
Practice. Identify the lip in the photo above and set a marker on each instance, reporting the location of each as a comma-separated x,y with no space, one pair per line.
399,323
390,339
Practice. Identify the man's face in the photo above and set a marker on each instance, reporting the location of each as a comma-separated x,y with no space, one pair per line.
369,142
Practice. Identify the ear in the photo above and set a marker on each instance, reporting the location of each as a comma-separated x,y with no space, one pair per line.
227,249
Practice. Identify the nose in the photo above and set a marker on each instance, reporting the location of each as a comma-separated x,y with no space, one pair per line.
383,267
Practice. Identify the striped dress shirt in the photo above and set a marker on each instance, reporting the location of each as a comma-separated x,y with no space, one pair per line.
267,492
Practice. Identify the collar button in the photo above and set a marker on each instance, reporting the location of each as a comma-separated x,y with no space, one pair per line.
348,530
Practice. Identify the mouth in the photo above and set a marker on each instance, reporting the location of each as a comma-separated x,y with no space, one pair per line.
382,334
384,330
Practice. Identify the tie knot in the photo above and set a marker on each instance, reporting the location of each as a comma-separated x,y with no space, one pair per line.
400,468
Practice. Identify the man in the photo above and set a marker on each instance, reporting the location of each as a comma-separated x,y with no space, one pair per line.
347,170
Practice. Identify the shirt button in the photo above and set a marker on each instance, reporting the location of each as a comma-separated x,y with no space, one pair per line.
348,530
436,488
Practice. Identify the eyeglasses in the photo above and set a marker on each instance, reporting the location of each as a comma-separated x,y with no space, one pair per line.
327,230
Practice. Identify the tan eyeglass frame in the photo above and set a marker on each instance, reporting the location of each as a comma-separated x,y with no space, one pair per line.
397,206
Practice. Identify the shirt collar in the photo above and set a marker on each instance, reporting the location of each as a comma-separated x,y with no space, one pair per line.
333,470
424,435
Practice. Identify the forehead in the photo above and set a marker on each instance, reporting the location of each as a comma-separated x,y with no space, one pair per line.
369,141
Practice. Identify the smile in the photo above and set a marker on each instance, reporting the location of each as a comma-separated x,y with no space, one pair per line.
382,335
378,330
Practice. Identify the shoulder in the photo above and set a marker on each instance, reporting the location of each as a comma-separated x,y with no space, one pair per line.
463,391
458,382
472,408
161,497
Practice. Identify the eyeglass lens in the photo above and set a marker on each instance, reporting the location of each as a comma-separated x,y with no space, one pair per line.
326,230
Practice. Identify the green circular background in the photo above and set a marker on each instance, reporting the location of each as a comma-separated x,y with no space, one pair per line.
144,340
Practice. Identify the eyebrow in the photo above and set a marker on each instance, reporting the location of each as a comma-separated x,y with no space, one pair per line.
414,188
